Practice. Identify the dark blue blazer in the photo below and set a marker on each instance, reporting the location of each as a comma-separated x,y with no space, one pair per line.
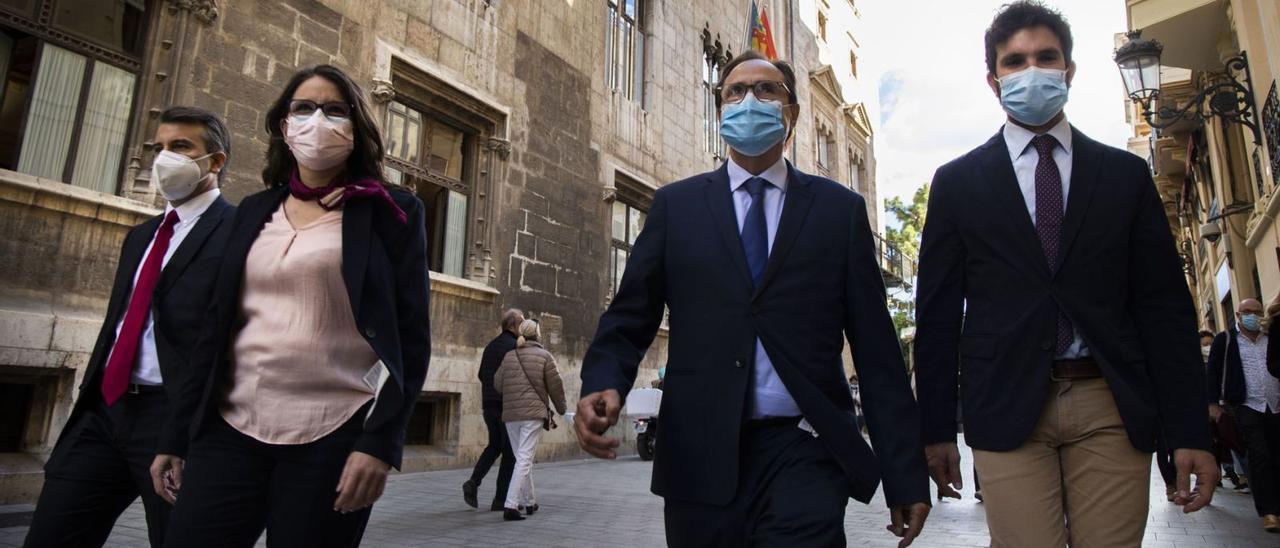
987,301
384,267
178,304
821,287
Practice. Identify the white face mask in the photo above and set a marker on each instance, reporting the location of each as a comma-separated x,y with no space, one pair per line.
176,175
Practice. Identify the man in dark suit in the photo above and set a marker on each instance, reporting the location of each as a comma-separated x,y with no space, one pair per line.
491,401
1048,274
103,460
767,271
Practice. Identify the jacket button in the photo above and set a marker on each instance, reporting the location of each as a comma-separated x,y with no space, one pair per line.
369,332
1046,344
737,363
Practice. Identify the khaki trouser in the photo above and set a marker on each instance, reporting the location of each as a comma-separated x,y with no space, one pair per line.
1076,481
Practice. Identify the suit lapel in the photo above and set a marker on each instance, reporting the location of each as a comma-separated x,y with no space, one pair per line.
794,211
998,170
357,220
1084,177
191,245
720,202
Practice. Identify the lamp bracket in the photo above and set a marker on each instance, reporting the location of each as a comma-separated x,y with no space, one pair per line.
1230,99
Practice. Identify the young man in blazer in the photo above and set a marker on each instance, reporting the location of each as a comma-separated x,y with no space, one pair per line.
102,460
766,271
1048,274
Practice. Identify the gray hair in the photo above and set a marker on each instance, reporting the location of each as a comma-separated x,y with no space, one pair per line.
511,319
216,136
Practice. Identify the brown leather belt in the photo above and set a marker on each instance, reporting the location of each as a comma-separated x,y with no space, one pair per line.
1083,368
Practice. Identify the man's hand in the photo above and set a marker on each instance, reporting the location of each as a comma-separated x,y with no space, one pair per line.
166,476
906,522
597,411
1215,411
363,479
1205,467
944,468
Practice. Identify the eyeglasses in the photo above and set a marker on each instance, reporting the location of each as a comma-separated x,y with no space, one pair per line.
764,90
335,109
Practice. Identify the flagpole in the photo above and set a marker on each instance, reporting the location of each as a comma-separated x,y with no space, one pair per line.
751,15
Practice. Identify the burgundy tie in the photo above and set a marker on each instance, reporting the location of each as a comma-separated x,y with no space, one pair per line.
125,352
1049,214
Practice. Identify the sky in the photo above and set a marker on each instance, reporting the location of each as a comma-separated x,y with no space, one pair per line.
926,58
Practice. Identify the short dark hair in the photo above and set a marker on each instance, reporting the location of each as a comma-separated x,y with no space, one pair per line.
1206,333
365,161
788,74
1025,14
216,136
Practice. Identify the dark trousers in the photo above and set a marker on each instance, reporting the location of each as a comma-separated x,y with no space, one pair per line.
499,446
235,486
1261,433
98,468
791,492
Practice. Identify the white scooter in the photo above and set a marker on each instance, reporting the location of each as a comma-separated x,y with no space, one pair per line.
642,408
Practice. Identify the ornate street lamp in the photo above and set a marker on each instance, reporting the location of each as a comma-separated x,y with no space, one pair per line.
1139,62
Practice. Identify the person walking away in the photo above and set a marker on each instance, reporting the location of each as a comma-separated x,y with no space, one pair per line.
1051,303
491,398
527,379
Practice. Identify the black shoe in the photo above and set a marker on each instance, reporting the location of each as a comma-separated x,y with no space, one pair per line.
469,493
531,509
510,514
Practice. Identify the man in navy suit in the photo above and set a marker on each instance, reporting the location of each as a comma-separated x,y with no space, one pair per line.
1048,274
766,271
103,459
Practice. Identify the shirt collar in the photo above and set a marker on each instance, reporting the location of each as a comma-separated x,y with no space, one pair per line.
1019,138
776,174
192,209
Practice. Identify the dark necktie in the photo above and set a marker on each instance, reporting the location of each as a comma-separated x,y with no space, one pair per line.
115,379
1049,214
755,232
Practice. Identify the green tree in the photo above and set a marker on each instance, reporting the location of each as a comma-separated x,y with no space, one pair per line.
906,238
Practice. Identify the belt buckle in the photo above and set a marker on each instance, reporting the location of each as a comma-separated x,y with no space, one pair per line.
1053,374
133,389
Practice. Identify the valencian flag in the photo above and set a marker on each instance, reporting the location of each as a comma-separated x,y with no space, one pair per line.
759,37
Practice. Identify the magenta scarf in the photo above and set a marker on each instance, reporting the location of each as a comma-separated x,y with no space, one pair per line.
362,188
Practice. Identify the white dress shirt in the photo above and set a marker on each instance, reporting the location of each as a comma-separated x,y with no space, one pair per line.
1262,391
770,398
147,369
1024,158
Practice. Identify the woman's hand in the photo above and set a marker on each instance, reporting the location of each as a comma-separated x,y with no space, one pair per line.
363,480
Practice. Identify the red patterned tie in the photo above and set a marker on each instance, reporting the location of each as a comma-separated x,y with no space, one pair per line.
1049,215
116,377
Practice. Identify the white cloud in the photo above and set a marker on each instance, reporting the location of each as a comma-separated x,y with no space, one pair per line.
938,105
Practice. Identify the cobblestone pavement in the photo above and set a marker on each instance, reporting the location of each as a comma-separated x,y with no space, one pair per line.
599,503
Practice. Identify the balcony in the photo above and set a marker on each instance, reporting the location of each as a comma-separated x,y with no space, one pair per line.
897,268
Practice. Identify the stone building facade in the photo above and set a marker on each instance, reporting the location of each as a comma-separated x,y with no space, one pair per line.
536,132
1218,177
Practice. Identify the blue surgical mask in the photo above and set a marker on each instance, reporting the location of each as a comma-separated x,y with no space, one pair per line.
1034,95
1252,322
752,126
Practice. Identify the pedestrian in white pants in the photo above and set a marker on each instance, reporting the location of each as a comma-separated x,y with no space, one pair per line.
524,443
526,380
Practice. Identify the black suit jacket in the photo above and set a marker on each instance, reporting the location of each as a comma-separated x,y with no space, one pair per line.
821,286
178,305
1224,359
384,266
987,300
